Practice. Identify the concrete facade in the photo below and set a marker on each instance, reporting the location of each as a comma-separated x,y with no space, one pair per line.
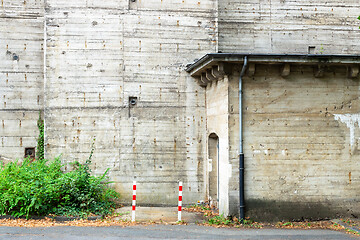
300,161
100,56
299,134
83,62
217,120
288,26
21,75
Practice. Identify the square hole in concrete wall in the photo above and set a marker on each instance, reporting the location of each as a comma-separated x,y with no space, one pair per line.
30,152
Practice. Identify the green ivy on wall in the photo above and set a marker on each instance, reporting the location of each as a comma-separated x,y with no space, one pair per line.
40,140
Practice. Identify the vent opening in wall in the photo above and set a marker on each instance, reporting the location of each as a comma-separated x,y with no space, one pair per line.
311,50
132,101
30,152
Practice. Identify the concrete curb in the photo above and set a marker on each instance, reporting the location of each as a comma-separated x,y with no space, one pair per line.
338,221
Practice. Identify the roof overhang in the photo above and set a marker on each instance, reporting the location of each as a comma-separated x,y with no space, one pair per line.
211,60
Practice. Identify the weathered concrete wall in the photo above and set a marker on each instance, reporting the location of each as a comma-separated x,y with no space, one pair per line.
301,143
218,122
21,75
101,53
301,133
283,26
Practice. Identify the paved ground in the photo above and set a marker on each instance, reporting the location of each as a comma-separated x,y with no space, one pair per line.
160,231
159,215
164,232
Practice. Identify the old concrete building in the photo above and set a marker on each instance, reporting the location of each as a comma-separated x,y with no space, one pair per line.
126,73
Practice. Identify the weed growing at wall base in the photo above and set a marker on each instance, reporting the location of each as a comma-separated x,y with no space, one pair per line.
220,220
41,188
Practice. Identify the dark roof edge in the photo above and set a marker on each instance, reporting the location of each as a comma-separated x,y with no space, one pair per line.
311,58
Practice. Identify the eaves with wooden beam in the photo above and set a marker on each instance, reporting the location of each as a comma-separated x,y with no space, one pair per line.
215,65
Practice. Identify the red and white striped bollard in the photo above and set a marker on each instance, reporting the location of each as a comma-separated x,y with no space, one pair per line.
133,202
180,201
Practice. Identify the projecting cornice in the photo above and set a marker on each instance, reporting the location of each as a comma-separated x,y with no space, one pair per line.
213,66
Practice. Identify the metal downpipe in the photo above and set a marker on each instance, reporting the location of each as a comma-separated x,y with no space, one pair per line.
241,153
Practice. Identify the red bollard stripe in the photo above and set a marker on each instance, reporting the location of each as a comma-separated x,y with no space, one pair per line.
133,208
180,198
179,208
134,187
134,197
180,188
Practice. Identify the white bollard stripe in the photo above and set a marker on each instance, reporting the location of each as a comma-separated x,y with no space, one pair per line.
133,216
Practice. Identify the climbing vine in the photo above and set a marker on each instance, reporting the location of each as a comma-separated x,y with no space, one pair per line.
40,140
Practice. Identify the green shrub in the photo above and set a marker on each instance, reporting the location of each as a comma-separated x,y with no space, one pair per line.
41,188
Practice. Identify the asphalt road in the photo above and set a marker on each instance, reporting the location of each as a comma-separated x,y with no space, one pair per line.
164,232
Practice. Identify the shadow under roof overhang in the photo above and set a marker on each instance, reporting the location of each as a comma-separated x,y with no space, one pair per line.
213,65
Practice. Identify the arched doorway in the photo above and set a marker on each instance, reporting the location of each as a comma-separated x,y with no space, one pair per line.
213,155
